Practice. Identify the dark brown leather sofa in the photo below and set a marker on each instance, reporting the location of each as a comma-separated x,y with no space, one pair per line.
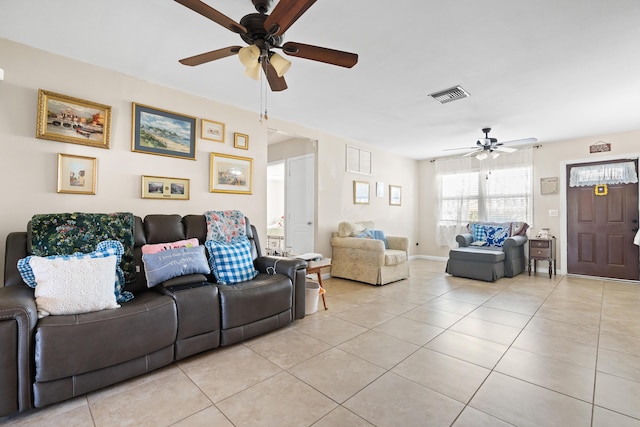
55,358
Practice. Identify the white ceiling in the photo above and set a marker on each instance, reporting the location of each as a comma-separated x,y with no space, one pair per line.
550,69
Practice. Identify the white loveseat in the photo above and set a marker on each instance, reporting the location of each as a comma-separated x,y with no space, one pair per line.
366,259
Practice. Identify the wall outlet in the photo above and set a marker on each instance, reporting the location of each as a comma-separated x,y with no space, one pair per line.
553,212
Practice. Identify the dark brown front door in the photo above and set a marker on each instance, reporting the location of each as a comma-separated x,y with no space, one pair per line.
600,230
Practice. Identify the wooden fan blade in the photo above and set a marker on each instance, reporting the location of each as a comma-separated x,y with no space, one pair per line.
217,17
285,14
276,83
321,54
210,56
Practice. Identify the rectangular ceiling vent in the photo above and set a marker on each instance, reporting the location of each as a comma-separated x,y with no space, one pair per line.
450,94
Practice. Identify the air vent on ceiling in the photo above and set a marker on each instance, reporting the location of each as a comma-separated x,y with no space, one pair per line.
450,94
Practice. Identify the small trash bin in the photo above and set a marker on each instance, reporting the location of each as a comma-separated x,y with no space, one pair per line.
311,298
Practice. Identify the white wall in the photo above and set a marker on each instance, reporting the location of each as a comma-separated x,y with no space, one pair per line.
28,166
335,188
549,160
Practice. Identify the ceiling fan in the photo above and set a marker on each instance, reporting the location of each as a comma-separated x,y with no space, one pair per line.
263,33
486,146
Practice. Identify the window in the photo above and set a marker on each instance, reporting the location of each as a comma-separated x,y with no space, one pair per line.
498,190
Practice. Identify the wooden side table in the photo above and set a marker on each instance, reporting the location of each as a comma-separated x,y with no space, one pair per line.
545,250
315,267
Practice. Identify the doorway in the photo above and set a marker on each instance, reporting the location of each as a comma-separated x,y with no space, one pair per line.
601,218
291,199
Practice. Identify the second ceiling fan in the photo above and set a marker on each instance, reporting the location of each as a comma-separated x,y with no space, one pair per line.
263,33
490,146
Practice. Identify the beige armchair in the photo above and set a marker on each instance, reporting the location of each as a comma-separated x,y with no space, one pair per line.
367,260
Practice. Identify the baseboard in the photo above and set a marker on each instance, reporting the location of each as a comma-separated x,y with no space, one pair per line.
428,257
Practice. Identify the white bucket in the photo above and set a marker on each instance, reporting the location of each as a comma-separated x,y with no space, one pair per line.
312,293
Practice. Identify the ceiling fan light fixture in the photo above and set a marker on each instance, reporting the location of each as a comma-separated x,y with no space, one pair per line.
253,72
482,155
280,64
249,56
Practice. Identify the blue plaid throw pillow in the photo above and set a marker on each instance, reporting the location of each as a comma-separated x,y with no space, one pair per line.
479,232
231,262
103,249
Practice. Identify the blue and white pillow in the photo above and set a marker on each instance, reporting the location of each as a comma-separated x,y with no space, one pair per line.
171,263
496,235
479,232
103,249
231,262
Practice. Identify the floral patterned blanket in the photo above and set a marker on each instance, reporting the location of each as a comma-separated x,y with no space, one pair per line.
68,233
225,226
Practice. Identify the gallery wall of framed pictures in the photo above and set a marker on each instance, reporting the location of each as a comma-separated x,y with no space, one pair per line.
154,130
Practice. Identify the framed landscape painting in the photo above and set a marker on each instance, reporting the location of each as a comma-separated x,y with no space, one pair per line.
162,132
230,174
67,119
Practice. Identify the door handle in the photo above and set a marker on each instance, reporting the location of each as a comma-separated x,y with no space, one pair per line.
309,222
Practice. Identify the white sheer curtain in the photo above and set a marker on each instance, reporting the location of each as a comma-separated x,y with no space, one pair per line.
469,189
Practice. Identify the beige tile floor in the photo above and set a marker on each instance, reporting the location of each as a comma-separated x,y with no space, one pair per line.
428,351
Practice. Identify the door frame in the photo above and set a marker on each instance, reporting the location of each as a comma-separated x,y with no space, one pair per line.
563,203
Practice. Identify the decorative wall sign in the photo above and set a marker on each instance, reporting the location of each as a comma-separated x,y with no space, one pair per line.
549,185
601,190
600,147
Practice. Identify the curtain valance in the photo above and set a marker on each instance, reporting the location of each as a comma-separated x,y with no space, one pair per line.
609,173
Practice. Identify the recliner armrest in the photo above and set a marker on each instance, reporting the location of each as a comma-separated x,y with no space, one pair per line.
295,269
17,306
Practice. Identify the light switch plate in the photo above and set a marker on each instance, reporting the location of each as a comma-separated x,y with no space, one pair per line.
553,212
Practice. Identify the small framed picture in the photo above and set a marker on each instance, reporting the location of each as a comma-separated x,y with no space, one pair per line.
240,140
162,132
395,195
230,174
77,174
211,130
67,119
361,192
160,187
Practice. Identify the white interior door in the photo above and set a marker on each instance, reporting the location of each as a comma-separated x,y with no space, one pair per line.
300,204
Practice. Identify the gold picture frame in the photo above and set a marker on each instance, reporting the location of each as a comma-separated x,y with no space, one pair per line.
230,174
241,140
361,192
77,174
395,195
76,121
212,130
165,188
162,132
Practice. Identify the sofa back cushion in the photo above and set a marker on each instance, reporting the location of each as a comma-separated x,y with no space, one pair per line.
351,229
